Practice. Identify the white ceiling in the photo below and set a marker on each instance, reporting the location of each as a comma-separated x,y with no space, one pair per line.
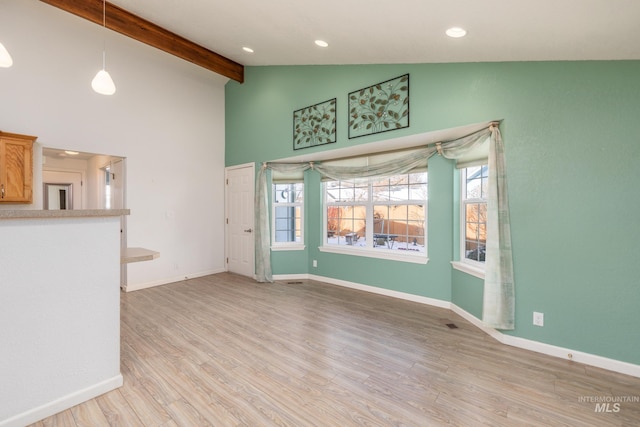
282,32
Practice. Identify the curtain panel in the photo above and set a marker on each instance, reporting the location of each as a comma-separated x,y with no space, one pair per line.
499,294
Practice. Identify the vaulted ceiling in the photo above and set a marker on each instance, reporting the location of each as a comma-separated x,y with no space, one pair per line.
282,32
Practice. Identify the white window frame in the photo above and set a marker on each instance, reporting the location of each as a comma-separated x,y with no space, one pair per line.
287,246
369,251
469,266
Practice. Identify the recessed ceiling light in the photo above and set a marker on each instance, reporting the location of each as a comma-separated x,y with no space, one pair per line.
322,43
71,153
247,49
456,32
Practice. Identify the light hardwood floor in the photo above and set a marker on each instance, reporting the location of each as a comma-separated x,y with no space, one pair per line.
224,350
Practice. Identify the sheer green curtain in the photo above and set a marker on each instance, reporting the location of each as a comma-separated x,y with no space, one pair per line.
499,289
398,165
498,307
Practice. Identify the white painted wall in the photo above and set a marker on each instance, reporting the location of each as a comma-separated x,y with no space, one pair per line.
59,314
166,118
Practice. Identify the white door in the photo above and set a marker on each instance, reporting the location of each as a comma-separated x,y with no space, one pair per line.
240,213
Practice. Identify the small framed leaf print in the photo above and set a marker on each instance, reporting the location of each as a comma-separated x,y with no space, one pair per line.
314,125
379,108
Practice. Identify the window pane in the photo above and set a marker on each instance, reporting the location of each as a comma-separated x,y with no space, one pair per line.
416,233
485,188
474,189
482,234
380,219
398,213
399,180
418,192
482,212
346,194
381,193
346,225
382,182
472,212
475,251
346,191
475,212
399,227
287,212
418,178
287,223
299,193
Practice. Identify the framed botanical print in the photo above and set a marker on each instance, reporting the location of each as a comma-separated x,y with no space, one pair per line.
314,125
379,108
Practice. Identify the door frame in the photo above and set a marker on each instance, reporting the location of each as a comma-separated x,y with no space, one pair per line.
83,179
252,167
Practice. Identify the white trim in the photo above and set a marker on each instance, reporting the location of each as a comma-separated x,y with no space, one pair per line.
285,277
365,288
242,166
287,247
469,268
370,204
63,403
274,205
402,256
473,267
539,347
552,350
139,286
573,355
382,291
476,322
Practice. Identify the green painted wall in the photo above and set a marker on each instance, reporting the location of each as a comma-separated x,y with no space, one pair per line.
571,132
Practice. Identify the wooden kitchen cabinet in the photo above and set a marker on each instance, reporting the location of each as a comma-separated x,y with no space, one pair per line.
16,168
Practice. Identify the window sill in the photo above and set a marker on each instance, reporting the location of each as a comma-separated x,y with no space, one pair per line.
415,259
469,268
292,247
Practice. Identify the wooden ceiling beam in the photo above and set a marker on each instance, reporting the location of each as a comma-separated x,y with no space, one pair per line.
130,25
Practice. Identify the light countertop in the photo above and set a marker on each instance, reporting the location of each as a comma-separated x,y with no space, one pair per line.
48,214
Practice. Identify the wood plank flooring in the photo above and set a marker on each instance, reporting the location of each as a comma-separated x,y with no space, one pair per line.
223,350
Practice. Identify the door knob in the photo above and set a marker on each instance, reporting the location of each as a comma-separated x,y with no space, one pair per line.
248,230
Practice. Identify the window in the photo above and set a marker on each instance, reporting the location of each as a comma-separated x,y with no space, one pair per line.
288,202
107,186
475,181
385,215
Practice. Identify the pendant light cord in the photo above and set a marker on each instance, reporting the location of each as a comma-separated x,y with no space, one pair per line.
104,34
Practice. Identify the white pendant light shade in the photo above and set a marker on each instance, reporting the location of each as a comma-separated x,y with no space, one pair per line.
103,84
5,58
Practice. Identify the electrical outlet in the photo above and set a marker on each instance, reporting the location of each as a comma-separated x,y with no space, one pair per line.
538,318
315,262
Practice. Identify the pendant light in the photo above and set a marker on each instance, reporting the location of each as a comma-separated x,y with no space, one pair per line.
5,58
102,82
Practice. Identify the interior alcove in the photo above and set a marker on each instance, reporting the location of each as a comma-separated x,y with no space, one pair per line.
88,180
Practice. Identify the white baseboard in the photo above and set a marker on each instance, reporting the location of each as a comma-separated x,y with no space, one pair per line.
63,403
381,291
289,277
139,286
553,350
539,347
